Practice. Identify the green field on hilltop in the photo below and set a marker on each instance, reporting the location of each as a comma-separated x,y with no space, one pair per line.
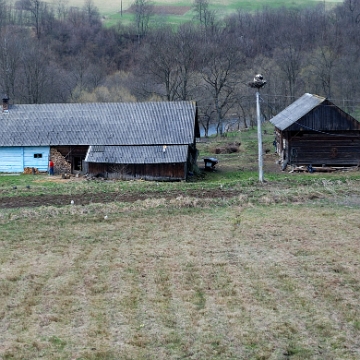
111,9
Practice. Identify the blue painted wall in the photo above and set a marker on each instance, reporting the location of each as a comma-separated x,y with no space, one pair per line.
15,159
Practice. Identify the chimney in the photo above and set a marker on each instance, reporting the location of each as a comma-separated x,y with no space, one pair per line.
5,104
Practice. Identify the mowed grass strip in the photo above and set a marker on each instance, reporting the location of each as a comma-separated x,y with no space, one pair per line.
250,281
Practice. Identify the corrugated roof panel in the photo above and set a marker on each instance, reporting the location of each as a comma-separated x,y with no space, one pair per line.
139,154
128,123
296,110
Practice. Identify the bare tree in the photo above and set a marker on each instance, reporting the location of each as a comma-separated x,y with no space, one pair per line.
186,43
79,70
36,79
289,51
157,65
352,7
91,12
206,112
34,8
61,9
94,75
3,13
201,7
289,60
12,43
219,69
327,55
143,11
168,62
324,61
206,17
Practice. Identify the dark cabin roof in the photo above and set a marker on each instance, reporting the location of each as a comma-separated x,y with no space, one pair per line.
314,113
138,154
296,110
147,123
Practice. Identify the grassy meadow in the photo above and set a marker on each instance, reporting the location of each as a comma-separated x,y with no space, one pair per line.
111,9
272,272
181,280
115,6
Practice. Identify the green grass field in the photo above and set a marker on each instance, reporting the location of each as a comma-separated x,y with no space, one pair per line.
115,6
111,10
270,272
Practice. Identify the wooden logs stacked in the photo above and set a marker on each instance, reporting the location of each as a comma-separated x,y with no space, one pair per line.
30,171
322,169
61,165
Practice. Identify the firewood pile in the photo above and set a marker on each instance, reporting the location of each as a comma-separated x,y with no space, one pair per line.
323,169
228,148
61,165
31,171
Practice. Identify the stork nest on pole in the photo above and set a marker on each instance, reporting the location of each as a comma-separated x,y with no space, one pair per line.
258,82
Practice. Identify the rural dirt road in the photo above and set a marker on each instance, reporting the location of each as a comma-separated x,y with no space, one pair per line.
85,199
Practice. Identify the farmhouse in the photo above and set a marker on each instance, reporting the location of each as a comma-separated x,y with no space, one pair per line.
314,131
151,141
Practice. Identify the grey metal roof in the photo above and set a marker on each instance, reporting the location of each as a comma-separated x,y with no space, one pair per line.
296,110
146,123
138,154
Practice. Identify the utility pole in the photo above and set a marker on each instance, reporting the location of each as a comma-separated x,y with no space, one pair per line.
258,83
259,134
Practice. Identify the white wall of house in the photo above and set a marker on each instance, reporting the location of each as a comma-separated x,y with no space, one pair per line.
15,159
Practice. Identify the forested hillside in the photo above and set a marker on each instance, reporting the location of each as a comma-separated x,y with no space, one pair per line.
53,53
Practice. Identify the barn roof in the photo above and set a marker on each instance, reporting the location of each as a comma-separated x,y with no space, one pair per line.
137,154
296,110
142,123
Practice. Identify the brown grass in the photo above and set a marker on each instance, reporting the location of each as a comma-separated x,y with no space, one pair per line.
180,280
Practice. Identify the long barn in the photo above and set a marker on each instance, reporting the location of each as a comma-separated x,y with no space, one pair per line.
149,140
314,131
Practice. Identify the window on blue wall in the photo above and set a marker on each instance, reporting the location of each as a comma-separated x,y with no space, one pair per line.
37,156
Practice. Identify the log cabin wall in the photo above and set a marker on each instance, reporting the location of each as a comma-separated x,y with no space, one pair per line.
320,149
160,172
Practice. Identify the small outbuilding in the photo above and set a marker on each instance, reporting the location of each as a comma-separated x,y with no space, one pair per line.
314,131
146,162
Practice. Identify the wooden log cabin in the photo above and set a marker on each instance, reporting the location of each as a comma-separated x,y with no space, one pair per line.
314,131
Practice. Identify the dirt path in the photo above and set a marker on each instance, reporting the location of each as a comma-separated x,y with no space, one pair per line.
84,199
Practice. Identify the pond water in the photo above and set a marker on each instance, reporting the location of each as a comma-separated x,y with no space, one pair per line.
231,125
